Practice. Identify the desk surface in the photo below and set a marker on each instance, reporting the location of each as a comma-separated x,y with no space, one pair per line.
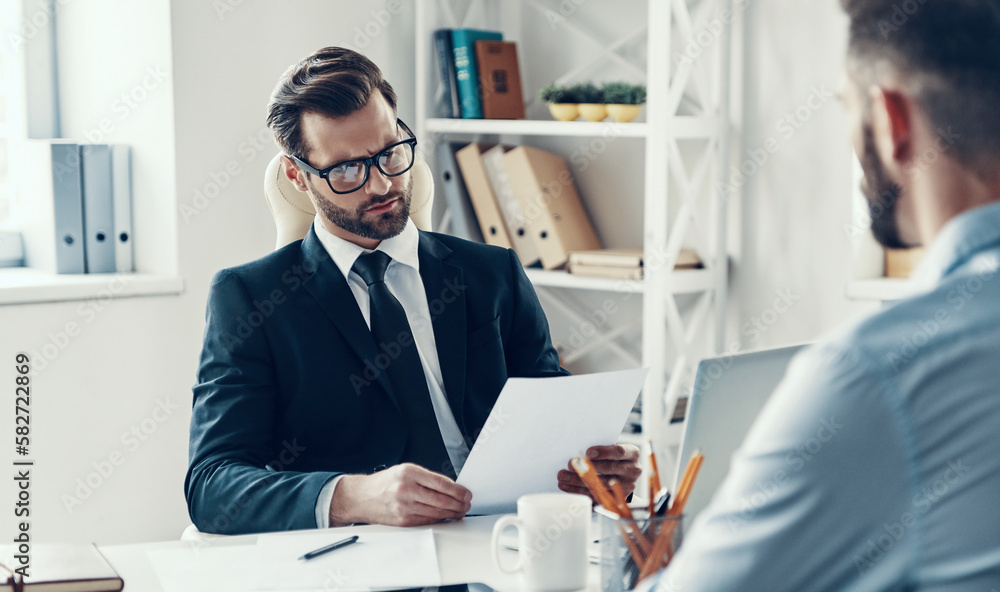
463,550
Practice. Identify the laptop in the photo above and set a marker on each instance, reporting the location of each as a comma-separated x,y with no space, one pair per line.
728,394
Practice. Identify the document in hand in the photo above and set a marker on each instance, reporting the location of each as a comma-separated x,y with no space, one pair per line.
537,425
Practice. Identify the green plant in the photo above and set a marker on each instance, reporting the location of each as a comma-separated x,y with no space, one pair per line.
587,92
623,93
555,93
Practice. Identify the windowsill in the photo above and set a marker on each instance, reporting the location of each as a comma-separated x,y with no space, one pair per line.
21,285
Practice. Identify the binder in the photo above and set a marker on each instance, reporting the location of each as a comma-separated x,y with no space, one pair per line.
50,195
499,80
98,211
466,72
121,203
556,218
463,217
446,96
477,183
510,207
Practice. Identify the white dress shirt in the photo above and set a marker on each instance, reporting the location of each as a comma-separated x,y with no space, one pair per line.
403,279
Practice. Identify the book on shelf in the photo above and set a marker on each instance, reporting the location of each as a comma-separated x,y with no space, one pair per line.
60,568
605,271
900,263
499,80
477,184
557,221
510,207
628,258
466,71
446,102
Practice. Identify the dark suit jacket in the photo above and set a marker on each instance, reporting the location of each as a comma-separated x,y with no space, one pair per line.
289,394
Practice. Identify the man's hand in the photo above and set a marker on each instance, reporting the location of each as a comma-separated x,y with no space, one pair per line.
403,495
619,461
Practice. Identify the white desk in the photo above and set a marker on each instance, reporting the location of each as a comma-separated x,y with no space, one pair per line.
463,550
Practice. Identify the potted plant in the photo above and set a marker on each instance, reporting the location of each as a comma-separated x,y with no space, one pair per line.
562,102
591,99
624,100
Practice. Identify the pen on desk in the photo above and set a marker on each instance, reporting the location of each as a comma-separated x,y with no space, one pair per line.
328,548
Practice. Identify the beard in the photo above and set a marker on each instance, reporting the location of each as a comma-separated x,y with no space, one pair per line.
359,222
881,193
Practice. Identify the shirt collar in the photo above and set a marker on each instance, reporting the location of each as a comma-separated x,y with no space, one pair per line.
402,248
959,240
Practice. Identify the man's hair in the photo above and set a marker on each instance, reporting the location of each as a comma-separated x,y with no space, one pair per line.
334,82
947,53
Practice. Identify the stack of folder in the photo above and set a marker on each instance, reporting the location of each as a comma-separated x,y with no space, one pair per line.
78,207
525,199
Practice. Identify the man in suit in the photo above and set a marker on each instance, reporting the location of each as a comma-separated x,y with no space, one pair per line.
345,377
874,465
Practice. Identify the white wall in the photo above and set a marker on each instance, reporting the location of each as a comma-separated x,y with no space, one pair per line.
135,352
793,209
196,123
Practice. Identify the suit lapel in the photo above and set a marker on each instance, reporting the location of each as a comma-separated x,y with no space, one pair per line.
328,286
443,284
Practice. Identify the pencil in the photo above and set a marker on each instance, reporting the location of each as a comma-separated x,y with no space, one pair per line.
625,512
652,498
661,545
654,470
588,474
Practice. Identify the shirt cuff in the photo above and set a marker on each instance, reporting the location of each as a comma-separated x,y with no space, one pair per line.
324,500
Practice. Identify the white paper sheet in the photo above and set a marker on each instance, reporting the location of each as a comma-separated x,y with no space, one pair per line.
205,569
378,561
537,425
384,560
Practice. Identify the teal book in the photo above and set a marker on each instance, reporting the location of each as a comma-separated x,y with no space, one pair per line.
463,43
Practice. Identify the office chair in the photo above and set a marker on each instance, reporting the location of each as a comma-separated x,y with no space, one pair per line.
293,212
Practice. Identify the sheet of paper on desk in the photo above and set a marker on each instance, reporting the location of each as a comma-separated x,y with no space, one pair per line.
384,560
204,569
379,560
537,425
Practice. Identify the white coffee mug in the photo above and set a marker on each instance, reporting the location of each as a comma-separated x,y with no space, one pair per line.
553,529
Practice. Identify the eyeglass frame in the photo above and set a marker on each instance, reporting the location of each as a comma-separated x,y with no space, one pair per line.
368,162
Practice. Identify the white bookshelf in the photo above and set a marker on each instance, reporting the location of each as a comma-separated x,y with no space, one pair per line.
683,105
685,281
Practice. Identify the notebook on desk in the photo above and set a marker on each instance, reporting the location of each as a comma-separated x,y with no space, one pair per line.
728,395
61,568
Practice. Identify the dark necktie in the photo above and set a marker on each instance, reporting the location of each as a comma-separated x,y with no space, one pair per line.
392,334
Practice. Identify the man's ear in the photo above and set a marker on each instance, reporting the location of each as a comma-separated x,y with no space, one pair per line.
892,125
294,174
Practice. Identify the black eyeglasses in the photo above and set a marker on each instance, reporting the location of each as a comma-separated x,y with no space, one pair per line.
351,175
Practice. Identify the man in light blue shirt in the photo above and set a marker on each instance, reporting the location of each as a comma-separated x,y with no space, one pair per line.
876,463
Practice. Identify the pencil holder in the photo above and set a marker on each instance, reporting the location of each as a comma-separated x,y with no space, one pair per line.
632,549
